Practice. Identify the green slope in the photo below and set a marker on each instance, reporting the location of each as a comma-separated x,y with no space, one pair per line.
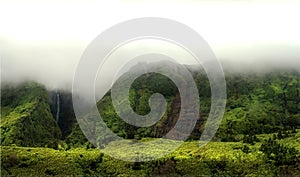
26,119
257,136
214,159
256,104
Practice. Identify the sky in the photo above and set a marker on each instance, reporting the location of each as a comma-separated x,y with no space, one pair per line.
44,40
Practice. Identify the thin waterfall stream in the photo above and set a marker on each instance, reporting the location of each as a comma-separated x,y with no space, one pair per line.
58,107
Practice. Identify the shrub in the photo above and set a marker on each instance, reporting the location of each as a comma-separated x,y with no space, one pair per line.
250,139
278,153
246,149
12,160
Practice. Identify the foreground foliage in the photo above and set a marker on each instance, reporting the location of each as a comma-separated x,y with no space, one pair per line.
214,159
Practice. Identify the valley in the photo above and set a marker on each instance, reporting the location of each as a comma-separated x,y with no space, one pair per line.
258,136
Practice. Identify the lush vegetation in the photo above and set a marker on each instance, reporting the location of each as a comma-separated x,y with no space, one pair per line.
259,134
26,119
261,104
256,104
215,159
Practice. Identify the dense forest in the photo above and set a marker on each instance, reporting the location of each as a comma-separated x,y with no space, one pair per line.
259,133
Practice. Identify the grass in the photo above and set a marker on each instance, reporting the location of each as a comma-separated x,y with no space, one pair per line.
215,158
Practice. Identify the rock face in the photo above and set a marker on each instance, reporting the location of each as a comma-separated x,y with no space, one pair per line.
63,113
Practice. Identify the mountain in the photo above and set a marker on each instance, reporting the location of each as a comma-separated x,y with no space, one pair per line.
256,104
26,119
258,136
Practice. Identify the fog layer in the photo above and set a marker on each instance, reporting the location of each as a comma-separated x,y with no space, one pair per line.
44,42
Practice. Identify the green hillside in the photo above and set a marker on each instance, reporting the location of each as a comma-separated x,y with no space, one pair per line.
215,159
26,119
259,134
256,104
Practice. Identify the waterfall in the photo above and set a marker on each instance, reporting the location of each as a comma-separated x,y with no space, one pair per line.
58,107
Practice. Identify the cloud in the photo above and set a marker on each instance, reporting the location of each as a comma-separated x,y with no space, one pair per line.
44,42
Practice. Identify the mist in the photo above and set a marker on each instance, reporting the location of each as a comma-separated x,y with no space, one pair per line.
44,42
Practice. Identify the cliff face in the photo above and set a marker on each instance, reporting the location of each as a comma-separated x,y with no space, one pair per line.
170,120
66,114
